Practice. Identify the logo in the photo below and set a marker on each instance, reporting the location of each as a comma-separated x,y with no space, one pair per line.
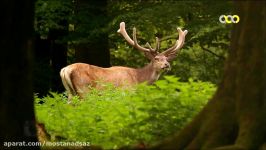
229,19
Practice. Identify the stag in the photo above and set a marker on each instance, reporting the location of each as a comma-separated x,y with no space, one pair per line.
78,78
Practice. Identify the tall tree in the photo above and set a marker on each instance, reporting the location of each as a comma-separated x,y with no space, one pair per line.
16,98
235,117
91,21
51,27
58,55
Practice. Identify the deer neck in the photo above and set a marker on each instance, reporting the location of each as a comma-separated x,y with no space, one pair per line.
148,74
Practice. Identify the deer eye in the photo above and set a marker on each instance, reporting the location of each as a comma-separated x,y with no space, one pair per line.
156,58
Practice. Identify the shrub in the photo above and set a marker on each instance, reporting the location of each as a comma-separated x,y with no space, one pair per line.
114,117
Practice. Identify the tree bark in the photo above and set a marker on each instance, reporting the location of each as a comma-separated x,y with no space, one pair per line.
51,57
42,72
58,56
17,120
95,50
235,118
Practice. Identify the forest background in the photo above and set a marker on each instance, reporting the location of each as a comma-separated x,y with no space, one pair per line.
68,31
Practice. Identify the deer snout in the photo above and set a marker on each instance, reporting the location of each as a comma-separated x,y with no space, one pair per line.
166,66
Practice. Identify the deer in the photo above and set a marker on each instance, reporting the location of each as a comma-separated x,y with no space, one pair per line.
79,78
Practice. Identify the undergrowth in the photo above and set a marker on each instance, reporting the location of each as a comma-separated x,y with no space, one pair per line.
114,117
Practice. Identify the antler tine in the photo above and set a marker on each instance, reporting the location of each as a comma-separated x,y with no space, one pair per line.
179,43
157,44
123,32
149,46
134,43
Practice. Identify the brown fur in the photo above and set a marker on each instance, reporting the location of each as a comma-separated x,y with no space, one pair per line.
79,77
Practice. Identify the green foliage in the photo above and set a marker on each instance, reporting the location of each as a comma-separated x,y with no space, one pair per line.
85,20
51,15
114,117
207,41
202,57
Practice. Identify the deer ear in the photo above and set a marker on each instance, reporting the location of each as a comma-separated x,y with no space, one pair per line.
149,55
171,56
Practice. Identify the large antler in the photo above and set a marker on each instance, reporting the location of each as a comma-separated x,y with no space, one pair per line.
134,42
171,52
151,52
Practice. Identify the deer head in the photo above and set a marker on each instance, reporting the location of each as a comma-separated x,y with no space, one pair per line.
159,61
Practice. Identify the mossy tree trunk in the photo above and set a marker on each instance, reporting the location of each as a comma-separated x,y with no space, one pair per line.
17,120
235,118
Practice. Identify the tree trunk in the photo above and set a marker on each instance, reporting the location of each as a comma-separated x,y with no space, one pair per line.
17,120
51,57
58,56
42,72
235,118
95,50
